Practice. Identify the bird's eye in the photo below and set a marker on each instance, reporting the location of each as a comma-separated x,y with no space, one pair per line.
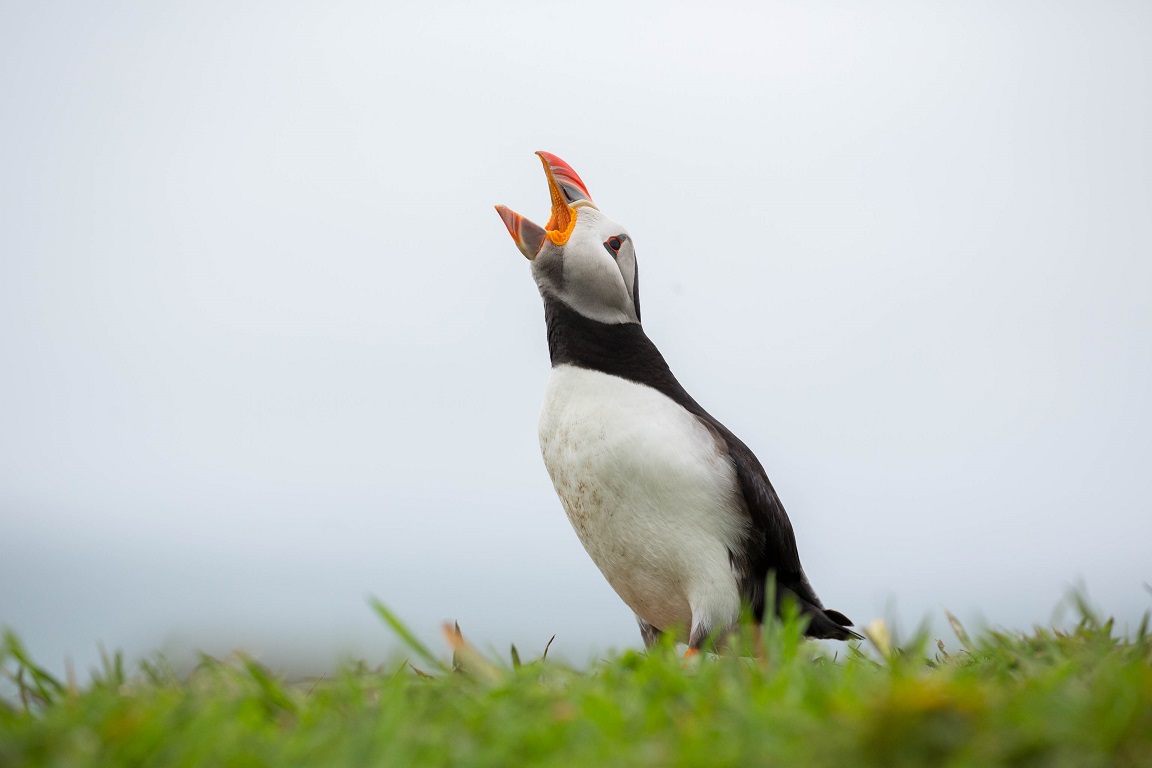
613,244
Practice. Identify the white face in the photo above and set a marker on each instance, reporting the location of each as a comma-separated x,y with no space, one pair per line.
594,273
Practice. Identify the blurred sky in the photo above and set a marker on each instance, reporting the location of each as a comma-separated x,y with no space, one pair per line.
267,349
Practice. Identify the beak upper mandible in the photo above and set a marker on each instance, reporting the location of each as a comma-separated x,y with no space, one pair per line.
564,182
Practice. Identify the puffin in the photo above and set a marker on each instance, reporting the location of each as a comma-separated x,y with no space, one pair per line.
674,509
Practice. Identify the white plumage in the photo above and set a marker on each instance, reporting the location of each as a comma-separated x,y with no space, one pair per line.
650,492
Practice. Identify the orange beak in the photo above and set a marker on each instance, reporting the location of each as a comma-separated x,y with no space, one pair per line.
568,193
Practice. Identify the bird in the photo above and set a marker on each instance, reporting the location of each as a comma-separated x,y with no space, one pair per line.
674,509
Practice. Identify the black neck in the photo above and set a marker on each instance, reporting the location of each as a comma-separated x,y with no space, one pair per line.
619,349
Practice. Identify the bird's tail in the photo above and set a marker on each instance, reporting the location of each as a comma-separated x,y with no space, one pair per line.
823,623
830,625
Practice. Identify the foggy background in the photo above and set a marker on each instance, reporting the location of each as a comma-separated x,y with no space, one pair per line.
267,349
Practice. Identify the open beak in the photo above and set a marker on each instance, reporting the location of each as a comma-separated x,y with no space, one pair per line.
568,193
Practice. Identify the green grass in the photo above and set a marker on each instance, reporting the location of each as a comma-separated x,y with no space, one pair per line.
1046,698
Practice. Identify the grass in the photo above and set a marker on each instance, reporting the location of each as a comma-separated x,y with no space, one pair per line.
1081,697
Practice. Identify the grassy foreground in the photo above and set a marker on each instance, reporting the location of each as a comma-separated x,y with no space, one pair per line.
1076,698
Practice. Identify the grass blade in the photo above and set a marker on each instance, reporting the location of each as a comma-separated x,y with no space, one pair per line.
409,639
961,633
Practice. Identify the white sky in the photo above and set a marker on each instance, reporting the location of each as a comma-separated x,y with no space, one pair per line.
267,349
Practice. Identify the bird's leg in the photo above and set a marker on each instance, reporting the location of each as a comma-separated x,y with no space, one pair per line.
697,638
650,633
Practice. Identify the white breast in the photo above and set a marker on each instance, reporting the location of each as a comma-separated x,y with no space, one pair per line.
651,493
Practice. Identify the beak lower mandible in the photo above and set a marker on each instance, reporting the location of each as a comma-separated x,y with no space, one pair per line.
529,237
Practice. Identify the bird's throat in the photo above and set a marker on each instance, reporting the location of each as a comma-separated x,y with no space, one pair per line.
618,349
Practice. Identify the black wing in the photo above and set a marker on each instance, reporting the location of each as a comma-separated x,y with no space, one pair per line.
770,546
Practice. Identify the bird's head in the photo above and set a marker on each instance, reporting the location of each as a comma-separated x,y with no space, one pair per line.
581,257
